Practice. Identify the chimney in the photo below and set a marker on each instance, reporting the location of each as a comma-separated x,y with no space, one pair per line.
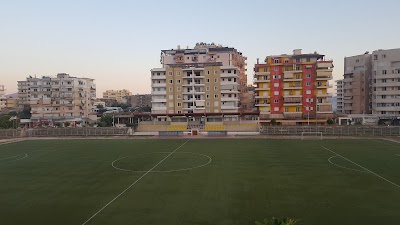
179,47
297,52
258,60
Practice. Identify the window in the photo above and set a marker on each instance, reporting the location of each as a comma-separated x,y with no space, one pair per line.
286,60
308,92
178,96
178,81
276,109
216,96
215,72
276,92
207,88
308,60
171,97
178,89
286,109
178,73
276,100
207,72
170,89
170,73
384,71
171,81
208,80
179,104
308,75
297,109
357,60
215,88
276,68
215,80
207,103
276,60
308,83
207,96
383,56
276,84
216,103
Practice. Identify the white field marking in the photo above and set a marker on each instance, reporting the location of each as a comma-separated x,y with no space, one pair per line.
10,142
26,155
329,160
135,182
362,167
162,171
11,157
391,140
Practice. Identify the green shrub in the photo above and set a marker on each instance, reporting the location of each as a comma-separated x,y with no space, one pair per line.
276,221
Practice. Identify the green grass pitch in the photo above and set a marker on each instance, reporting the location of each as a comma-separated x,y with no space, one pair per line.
208,181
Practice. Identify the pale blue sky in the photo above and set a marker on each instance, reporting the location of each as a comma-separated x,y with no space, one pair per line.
118,42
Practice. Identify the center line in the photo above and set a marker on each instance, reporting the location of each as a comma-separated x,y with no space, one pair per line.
363,167
116,197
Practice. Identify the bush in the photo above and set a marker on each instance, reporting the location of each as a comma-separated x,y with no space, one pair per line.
330,121
275,221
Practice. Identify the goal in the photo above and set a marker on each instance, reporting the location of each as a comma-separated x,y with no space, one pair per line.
311,135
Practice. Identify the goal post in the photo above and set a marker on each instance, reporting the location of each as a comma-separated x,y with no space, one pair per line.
317,135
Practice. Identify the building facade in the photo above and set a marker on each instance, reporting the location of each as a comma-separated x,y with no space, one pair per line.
140,101
2,98
385,83
206,79
294,88
117,95
60,98
23,94
339,96
355,84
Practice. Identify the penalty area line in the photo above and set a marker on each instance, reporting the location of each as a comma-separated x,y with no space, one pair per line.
135,182
379,176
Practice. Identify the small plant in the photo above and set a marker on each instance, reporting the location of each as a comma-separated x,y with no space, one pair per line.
276,221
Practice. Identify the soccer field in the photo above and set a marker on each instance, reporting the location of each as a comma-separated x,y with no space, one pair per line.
199,181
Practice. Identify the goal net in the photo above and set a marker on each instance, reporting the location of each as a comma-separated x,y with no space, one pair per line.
311,135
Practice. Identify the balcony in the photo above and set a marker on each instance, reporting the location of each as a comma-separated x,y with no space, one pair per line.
293,87
324,95
229,92
324,72
293,96
229,75
263,104
159,100
325,78
193,76
228,83
325,86
292,104
159,84
229,99
160,77
159,93
262,73
223,107
324,64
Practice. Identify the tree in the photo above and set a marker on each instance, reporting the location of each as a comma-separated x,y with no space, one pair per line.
106,121
273,122
330,121
25,113
5,122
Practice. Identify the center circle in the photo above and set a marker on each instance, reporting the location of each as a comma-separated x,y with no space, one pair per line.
180,161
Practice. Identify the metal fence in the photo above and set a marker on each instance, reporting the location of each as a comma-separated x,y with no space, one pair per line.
64,132
333,130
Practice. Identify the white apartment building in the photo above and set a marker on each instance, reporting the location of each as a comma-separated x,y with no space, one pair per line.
2,98
385,83
60,98
23,94
117,95
339,96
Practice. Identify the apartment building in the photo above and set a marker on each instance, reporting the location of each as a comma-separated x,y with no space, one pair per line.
385,83
294,88
2,98
60,98
206,79
23,94
140,101
339,96
117,95
355,84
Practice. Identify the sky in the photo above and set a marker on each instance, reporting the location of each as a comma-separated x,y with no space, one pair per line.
118,42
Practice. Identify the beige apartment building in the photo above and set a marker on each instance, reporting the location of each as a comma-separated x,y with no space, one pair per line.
117,95
206,79
140,101
385,85
60,98
355,85
371,84
339,96
2,98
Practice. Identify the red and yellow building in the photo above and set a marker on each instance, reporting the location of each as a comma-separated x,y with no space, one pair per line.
293,89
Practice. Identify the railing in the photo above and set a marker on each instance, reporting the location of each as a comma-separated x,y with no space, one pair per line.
63,132
333,130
